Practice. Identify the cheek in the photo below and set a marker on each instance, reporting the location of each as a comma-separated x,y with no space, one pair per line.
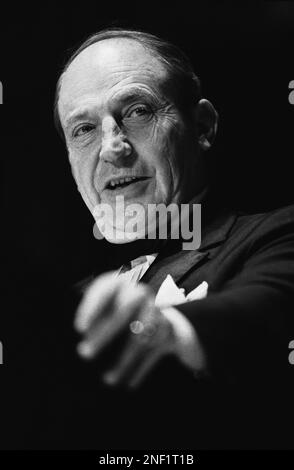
83,173
82,164
166,152
154,146
78,166
179,152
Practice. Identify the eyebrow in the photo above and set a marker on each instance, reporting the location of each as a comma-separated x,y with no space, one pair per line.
76,116
123,97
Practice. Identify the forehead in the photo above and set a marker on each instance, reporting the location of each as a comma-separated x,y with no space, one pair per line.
105,68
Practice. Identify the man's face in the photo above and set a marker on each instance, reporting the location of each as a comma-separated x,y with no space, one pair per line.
124,133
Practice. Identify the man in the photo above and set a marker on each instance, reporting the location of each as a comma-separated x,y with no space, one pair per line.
135,125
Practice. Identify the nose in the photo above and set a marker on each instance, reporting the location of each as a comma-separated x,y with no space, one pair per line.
114,145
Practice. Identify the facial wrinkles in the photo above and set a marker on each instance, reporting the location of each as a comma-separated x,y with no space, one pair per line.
161,137
116,100
147,131
94,84
83,82
168,134
83,173
184,154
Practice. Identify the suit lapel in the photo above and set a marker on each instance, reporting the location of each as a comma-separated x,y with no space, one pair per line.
177,262
177,265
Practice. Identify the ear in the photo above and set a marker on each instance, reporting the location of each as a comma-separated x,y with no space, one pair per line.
206,121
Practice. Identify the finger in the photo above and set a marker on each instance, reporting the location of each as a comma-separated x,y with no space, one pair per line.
133,368
97,299
142,352
129,301
146,367
163,341
131,358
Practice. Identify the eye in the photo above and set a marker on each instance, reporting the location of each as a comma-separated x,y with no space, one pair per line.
139,111
82,130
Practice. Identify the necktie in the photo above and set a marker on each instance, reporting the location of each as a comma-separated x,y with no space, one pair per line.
135,269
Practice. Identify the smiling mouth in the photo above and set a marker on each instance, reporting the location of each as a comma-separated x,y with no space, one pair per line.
119,183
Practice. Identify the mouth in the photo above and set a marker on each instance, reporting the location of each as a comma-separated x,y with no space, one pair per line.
120,183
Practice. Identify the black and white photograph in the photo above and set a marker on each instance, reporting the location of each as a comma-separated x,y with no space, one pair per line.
147,224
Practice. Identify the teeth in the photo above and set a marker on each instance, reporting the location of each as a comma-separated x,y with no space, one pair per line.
122,181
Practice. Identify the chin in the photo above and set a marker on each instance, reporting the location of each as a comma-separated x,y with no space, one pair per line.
119,234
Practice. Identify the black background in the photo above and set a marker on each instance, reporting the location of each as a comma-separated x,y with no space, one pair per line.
243,54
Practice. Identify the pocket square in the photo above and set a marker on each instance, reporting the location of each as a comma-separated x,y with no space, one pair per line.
170,294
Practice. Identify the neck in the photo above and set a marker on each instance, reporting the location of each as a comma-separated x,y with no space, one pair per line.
120,254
